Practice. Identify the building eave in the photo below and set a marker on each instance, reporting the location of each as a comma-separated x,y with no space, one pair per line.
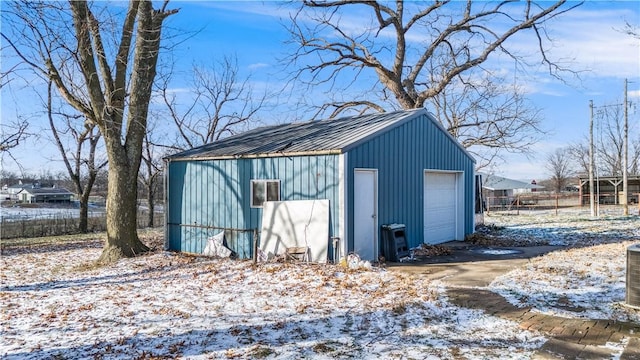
257,156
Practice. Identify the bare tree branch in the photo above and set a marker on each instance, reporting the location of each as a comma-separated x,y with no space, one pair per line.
559,164
12,135
80,162
469,36
220,103
416,51
487,116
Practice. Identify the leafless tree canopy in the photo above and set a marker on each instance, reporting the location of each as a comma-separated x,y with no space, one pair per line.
426,54
77,142
609,140
102,61
608,144
487,115
579,152
406,42
559,165
220,102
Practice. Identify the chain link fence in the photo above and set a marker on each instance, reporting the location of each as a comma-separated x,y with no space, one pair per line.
64,224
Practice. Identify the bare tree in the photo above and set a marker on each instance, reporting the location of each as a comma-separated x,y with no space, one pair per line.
559,165
81,161
486,116
610,140
219,102
411,52
579,152
455,37
150,175
66,44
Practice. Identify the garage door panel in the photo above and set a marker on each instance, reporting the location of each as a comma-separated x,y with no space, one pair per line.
440,207
436,219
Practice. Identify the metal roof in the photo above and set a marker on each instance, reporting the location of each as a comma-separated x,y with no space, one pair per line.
609,178
303,138
494,182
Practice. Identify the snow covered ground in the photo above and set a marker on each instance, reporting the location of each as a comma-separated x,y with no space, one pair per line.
587,280
56,304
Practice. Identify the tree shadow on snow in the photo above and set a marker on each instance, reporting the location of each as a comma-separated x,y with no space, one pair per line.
339,335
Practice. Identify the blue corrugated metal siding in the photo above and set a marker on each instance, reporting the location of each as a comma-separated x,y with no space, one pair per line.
208,194
401,156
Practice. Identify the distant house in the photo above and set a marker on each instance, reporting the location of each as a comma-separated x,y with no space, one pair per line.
401,167
498,190
10,192
44,195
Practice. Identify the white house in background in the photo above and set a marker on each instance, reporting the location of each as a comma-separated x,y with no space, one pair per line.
42,195
9,192
498,190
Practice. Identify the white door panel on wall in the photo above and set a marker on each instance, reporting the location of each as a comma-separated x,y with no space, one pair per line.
365,234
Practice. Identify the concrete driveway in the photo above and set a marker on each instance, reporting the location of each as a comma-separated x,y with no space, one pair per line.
470,265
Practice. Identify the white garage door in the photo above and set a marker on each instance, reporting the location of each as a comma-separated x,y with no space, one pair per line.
440,207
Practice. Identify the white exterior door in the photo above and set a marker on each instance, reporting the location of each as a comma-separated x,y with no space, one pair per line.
441,206
365,214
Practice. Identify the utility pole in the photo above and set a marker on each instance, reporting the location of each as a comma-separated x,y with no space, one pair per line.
591,203
625,185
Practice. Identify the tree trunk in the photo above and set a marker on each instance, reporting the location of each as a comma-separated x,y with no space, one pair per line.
151,202
122,236
112,94
83,226
151,195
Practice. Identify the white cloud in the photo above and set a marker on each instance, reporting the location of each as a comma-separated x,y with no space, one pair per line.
256,66
590,36
240,9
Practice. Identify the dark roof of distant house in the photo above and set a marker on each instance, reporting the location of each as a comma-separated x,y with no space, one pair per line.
47,191
332,136
21,186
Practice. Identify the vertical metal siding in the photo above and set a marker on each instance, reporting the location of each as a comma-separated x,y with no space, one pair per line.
401,156
216,193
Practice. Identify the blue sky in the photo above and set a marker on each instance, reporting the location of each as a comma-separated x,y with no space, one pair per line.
586,38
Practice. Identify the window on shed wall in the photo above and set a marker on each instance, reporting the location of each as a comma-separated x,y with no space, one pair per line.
264,190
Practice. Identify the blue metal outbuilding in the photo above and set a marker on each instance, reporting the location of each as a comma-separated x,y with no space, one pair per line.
397,167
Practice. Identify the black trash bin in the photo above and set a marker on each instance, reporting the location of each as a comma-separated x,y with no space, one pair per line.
394,242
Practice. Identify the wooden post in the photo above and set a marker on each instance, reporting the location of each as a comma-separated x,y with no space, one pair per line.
591,161
625,140
556,204
518,204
